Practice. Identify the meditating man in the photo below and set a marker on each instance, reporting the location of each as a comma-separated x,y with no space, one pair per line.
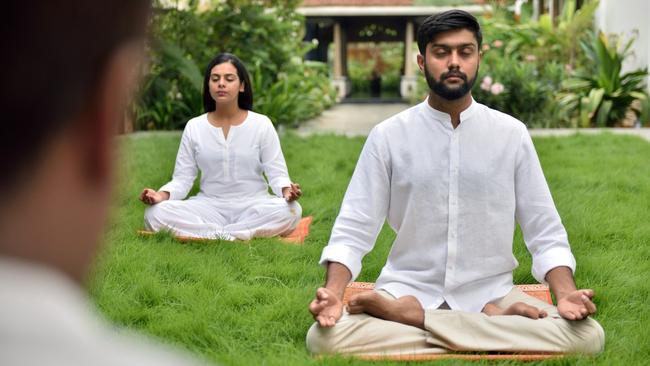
451,176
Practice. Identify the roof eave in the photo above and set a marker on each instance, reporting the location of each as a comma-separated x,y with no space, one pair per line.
379,11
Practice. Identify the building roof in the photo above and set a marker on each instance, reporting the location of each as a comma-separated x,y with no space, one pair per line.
312,3
380,10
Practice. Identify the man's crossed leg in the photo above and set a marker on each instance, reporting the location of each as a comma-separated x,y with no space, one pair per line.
379,324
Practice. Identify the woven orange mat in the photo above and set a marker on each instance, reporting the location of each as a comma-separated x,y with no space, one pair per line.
536,290
297,236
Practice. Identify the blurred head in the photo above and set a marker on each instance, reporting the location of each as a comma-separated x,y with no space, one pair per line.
67,70
226,80
449,45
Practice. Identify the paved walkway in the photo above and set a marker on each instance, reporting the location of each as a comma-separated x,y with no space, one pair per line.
358,120
350,119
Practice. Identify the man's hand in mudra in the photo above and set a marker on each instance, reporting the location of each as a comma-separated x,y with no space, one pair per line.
576,305
326,308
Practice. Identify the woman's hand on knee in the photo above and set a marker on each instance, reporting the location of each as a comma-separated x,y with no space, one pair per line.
151,197
292,192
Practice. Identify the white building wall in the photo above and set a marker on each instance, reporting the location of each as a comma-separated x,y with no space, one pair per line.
627,17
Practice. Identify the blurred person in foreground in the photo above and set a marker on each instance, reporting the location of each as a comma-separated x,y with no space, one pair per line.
67,70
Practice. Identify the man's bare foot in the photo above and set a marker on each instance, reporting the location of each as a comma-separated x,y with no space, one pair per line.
406,310
518,308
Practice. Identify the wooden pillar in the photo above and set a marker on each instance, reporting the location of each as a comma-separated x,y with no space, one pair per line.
344,52
338,51
554,10
537,8
339,79
408,49
551,10
408,83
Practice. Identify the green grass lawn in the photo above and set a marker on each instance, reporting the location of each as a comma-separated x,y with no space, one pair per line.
245,303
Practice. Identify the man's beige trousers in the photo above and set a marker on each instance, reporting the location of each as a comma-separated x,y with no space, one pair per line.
450,330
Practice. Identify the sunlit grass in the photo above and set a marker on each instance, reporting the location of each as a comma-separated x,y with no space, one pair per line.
245,303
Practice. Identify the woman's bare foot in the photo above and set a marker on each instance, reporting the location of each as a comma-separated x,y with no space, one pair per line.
518,308
406,310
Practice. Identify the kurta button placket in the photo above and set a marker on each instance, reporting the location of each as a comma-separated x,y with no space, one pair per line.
226,161
452,239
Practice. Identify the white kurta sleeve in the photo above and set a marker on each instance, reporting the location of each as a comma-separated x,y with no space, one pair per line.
273,163
185,171
540,222
364,208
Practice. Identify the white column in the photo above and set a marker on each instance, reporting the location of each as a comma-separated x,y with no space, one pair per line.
338,45
409,79
551,10
408,49
339,80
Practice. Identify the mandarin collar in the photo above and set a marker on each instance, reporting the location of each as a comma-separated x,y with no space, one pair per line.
445,118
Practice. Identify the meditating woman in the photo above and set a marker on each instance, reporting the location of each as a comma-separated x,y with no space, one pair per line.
231,146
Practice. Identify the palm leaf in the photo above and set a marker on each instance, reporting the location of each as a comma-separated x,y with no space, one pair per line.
186,67
603,113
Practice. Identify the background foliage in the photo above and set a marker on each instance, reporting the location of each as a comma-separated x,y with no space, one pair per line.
530,59
265,34
556,73
601,93
546,73
392,59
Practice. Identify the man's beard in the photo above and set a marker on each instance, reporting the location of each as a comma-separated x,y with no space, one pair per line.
445,92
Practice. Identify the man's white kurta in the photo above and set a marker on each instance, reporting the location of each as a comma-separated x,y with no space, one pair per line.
452,197
231,168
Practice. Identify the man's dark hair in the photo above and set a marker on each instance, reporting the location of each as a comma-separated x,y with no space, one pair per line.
53,55
444,22
245,98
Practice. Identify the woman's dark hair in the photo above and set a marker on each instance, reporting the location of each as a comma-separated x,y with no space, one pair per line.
447,21
245,98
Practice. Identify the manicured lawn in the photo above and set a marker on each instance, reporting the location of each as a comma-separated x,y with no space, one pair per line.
246,303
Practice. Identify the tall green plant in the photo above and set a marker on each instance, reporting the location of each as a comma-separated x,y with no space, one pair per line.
523,89
265,34
171,91
523,63
599,94
545,40
296,96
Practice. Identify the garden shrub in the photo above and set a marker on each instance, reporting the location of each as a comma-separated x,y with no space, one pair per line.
524,61
519,86
599,94
265,34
